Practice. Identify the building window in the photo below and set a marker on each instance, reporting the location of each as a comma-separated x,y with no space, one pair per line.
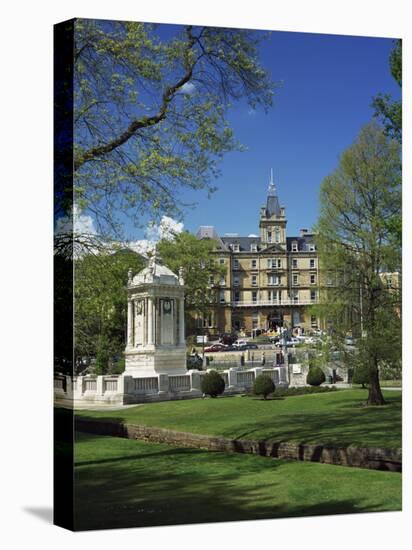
277,235
294,246
235,281
312,263
313,295
253,264
295,280
254,280
273,280
388,283
222,296
208,322
294,264
313,321
255,321
269,236
222,281
253,247
236,296
235,264
211,280
254,296
274,263
329,281
221,261
312,279
235,247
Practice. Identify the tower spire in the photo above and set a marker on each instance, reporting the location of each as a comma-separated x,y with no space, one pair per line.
271,187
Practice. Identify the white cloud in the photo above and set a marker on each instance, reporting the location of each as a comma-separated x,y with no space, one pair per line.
188,88
80,224
167,229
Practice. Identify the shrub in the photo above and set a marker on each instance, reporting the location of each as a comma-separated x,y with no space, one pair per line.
303,390
315,376
360,375
263,385
212,384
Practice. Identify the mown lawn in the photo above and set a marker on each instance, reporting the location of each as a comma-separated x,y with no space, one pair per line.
337,418
125,483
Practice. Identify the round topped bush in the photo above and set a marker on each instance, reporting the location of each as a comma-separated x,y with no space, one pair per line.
212,384
315,376
263,385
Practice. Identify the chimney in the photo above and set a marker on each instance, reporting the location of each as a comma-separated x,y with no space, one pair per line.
303,232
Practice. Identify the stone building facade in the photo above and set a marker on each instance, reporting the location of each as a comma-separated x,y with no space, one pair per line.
271,279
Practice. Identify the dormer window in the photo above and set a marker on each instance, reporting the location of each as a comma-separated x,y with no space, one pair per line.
253,247
235,247
312,247
294,246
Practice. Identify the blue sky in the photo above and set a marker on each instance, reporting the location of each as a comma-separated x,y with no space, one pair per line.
328,82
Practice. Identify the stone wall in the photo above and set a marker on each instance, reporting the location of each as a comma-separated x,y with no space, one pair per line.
360,457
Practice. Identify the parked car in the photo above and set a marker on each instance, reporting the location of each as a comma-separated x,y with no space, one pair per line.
216,347
239,343
248,345
289,343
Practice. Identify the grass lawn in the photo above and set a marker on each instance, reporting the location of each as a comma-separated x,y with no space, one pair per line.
337,418
390,383
124,483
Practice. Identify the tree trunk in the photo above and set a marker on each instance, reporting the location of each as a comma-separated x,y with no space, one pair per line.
375,396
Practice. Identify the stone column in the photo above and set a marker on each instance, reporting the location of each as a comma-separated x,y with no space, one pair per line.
150,321
181,321
130,324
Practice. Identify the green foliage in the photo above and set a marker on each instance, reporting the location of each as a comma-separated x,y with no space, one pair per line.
303,390
194,256
151,113
361,375
102,355
356,247
315,376
212,384
388,110
263,385
100,304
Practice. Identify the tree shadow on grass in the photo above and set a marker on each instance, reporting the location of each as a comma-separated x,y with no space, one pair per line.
153,484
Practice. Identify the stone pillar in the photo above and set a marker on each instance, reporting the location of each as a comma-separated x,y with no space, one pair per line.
130,324
181,321
232,377
99,385
194,380
163,383
150,321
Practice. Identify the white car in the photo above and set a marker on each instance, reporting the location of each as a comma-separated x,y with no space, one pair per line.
240,343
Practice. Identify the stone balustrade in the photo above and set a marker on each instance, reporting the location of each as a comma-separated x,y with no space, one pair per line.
128,389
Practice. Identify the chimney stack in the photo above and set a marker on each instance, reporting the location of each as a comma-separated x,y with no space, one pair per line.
303,232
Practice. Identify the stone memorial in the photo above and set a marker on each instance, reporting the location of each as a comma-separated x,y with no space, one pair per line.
155,322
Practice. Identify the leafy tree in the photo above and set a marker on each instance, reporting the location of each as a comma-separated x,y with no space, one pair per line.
150,112
361,375
355,247
263,385
199,269
100,305
212,384
388,110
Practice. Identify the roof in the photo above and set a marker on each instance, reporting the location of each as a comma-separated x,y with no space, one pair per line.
272,206
155,274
